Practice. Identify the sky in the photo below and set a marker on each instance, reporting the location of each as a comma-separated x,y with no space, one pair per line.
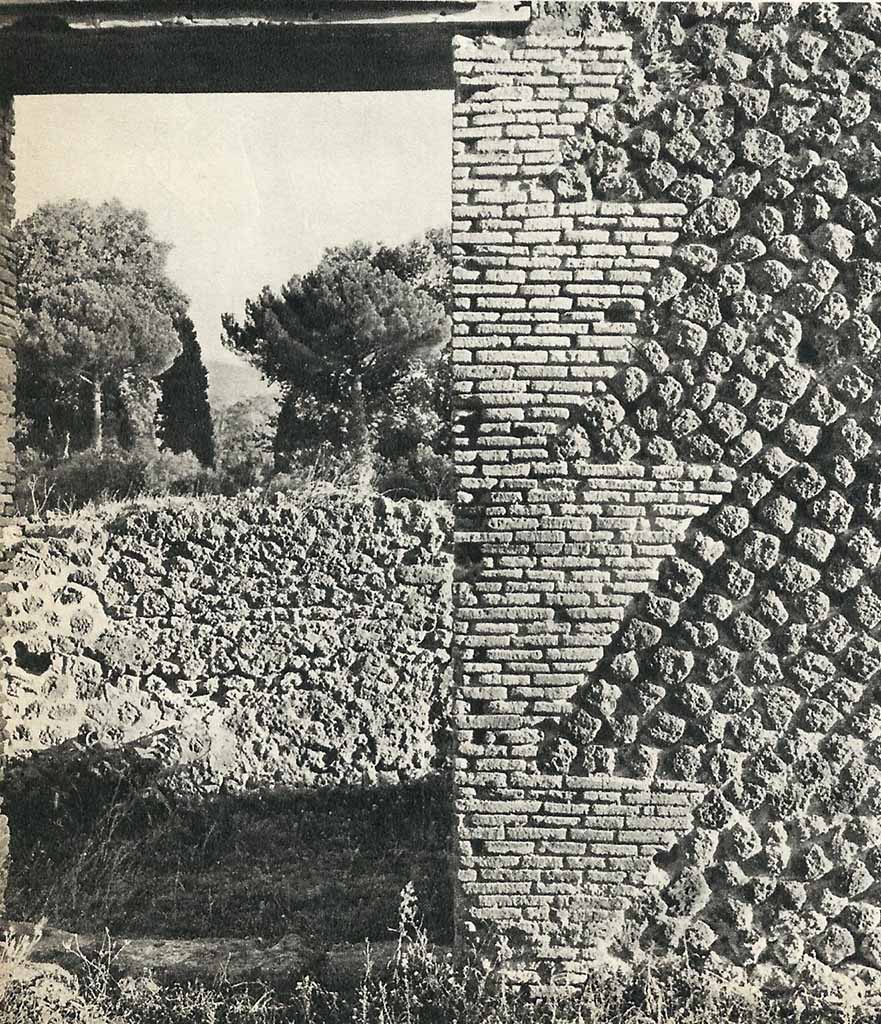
249,189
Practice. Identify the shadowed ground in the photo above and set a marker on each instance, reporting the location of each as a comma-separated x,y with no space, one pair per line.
326,866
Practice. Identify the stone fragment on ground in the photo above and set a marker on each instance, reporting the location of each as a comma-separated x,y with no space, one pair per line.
171,961
178,961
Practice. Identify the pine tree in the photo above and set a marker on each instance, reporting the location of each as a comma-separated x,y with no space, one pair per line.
360,442
184,412
347,321
96,304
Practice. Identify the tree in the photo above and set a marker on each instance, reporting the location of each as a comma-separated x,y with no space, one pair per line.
137,401
96,304
337,340
184,413
423,262
244,434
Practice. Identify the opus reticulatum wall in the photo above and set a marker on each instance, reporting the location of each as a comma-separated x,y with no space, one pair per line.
238,644
710,779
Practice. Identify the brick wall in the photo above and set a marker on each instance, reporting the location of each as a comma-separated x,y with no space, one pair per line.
552,862
7,308
7,373
552,544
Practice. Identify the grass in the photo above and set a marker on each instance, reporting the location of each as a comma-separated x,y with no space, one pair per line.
421,986
327,865
99,844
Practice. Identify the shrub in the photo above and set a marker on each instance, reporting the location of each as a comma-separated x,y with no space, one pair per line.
36,993
85,476
424,985
421,473
244,462
321,470
113,475
178,473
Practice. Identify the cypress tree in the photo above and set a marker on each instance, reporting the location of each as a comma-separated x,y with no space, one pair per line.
184,412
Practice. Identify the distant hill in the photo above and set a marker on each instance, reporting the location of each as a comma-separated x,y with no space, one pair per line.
231,380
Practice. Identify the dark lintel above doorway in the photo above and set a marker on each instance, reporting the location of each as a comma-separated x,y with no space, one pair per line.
78,46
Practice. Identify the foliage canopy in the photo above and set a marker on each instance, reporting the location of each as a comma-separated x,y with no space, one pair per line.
96,303
184,412
357,322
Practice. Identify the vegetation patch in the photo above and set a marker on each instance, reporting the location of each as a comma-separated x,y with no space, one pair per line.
418,985
131,856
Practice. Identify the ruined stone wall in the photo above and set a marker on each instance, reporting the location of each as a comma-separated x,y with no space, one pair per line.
243,644
736,704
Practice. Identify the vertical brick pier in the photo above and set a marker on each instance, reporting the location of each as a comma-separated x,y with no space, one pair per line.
8,310
546,293
8,320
